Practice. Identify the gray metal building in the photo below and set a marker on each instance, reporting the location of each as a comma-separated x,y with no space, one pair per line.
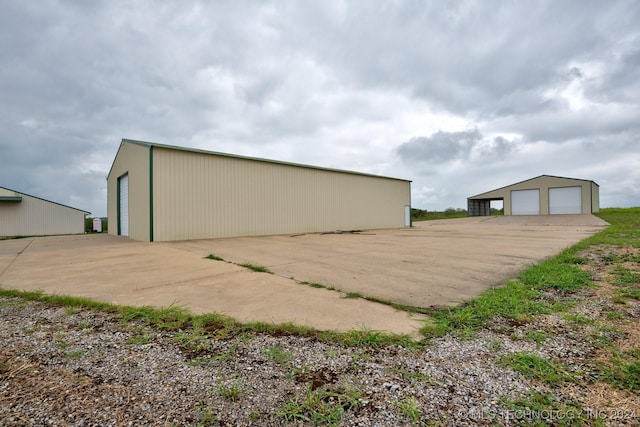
160,192
25,215
543,195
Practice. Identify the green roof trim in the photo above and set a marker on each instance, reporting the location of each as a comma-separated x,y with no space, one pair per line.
257,159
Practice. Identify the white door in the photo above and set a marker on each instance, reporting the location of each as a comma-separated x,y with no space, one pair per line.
407,216
565,200
525,202
123,214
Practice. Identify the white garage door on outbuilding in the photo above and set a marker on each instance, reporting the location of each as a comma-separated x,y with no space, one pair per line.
525,202
542,195
123,205
565,200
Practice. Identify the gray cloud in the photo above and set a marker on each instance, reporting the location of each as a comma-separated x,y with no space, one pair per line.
355,85
440,147
446,147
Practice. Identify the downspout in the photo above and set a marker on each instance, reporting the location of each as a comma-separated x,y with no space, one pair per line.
151,193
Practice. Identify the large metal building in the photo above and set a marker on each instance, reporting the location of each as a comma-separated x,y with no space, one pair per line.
25,215
160,192
543,195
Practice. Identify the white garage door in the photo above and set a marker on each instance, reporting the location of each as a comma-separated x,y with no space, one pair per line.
565,200
123,214
525,202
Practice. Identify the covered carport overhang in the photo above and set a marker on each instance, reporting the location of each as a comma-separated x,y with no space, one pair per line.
481,206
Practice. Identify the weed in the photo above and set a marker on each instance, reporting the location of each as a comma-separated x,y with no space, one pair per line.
495,346
165,318
538,337
409,408
364,337
313,285
206,415
412,376
70,311
278,355
623,370
353,295
577,319
533,366
625,276
139,339
321,406
60,339
603,335
615,315
76,354
256,268
230,391
628,283
214,257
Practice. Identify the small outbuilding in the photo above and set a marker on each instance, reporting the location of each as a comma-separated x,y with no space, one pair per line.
25,215
543,195
158,192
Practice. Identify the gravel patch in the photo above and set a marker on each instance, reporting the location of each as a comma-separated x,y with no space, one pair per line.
62,366
76,368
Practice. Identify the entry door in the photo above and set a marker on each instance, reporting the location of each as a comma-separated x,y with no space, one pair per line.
565,200
123,205
525,202
407,216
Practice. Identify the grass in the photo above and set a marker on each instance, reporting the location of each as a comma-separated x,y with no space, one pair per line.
320,406
514,301
552,286
538,337
231,391
256,268
622,370
409,409
518,300
252,267
543,409
533,366
278,355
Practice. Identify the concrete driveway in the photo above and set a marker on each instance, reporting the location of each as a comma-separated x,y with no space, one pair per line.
434,263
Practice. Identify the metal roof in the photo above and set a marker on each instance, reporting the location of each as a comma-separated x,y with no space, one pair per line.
15,199
530,179
257,159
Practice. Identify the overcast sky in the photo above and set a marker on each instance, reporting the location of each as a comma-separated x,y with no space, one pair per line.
460,97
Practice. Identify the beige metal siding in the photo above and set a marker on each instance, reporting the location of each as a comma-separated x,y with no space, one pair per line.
35,217
200,196
595,198
133,160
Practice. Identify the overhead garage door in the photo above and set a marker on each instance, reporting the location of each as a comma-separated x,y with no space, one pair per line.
565,200
123,205
525,202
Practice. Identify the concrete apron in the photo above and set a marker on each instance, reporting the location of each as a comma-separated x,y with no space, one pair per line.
435,263
121,271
